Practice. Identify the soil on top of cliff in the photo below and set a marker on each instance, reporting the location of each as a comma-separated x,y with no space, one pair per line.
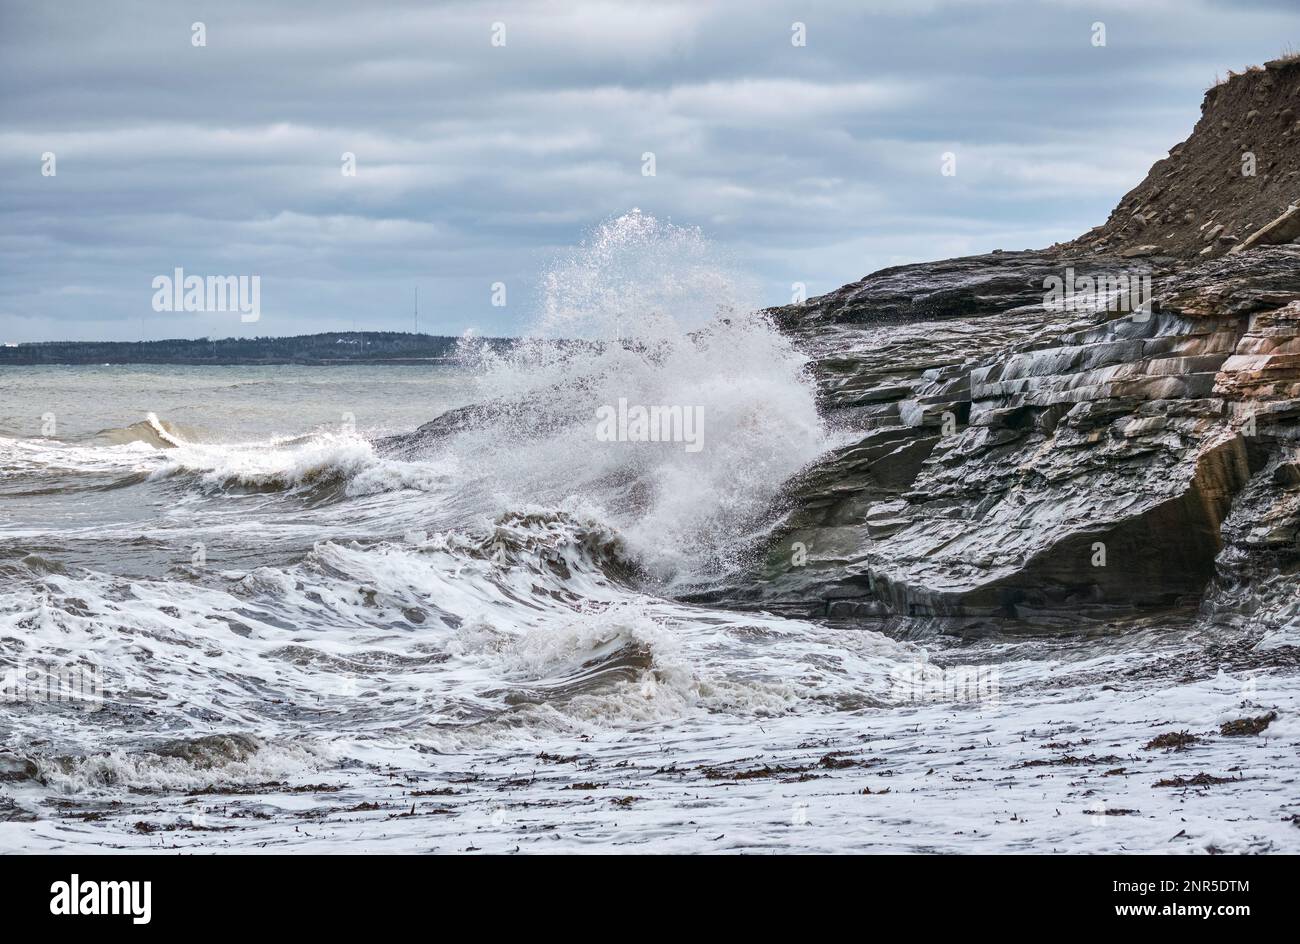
1202,199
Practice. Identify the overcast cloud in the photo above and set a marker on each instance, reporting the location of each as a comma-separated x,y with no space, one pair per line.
478,164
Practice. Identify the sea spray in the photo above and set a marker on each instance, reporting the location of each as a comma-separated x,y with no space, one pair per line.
648,314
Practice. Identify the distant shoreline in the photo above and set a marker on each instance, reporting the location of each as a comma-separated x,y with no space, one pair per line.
352,362
327,349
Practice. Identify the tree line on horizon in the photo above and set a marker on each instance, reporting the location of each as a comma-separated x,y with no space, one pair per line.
326,347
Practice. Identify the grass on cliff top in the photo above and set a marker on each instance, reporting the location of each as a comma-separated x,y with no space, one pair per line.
1289,54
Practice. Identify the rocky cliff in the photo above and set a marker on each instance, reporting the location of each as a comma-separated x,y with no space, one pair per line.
1095,428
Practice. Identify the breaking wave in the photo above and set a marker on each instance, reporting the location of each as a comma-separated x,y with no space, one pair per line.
503,573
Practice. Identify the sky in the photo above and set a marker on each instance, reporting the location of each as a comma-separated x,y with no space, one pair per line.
490,138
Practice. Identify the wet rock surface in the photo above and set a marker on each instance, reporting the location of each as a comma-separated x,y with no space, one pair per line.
1008,455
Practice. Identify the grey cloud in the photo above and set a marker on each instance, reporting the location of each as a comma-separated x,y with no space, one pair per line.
479,164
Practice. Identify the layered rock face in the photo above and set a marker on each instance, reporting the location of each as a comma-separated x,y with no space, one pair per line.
1047,456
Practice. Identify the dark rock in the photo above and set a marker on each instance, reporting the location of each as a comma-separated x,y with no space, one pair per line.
1038,459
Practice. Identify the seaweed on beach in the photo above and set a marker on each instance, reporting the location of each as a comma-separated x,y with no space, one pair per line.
1245,727
1171,741
1200,780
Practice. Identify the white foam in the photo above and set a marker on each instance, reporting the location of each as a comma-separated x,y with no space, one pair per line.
669,325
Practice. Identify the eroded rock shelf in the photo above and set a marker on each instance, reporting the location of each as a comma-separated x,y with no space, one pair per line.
1025,460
